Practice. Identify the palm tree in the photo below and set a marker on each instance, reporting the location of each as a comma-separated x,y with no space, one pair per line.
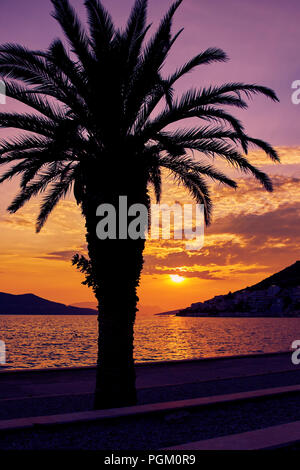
95,129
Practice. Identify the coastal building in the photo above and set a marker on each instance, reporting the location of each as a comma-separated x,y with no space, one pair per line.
271,301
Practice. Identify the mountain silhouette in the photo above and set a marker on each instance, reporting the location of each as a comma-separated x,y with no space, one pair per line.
288,277
30,304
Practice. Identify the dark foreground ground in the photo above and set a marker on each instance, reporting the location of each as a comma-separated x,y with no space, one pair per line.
41,393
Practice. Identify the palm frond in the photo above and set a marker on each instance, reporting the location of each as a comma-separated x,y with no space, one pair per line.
27,122
15,170
65,14
28,97
195,99
155,178
187,164
137,21
158,47
246,88
21,143
209,56
101,25
135,32
171,116
235,159
59,58
20,63
41,79
267,148
183,137
31,172
198,103
214,114
35,188
52,198
147,77
198,188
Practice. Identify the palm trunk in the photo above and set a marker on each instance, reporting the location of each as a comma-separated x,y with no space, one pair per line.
115,381
116,266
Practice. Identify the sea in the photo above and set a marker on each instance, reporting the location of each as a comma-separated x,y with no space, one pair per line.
45,341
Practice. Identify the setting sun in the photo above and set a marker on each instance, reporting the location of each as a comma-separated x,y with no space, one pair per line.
176,278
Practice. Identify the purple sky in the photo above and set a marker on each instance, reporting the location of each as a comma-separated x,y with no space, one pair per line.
262,38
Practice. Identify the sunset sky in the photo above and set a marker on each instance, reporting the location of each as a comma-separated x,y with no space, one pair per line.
253,234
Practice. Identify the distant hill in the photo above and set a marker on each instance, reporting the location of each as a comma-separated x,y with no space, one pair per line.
170,312
30,304
288,277
275,296
92,305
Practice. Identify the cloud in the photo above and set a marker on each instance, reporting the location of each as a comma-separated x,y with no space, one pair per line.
17,221
278,223
63,255
252,232
186,271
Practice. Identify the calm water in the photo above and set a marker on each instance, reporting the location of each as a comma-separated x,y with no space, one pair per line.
60,341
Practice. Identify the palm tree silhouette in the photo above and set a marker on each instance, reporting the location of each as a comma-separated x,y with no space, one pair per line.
96,129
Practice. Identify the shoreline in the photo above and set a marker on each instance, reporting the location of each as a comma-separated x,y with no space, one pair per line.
146,363
234,317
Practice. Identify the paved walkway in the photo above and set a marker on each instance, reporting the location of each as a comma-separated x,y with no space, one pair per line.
267,438
34,383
